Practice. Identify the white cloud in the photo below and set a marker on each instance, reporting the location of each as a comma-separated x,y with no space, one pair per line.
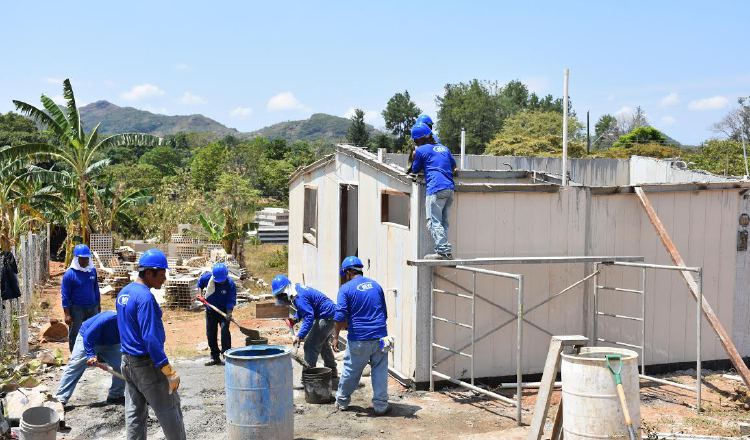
372,117
189,98
142,91
712,103
284,101
625,112
670,100
241,112
182,67
55,81
668,120
537,84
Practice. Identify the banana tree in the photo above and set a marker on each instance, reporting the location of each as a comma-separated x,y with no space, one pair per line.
71,145
114,204
221,231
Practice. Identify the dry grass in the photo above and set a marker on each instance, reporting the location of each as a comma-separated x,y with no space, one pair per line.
265,261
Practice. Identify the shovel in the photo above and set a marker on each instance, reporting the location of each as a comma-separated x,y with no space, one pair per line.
621,391
109,370
253,334
295,354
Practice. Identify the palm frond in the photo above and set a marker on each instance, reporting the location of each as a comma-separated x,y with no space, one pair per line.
39,116
13,152
54,111
93,137
125,140
74,117
96,166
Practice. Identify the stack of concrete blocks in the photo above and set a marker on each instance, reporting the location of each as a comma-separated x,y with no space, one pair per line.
180,291
103,245
273,225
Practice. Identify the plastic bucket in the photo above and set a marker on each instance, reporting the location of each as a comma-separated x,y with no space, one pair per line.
251,341
260,402
39,423
317,382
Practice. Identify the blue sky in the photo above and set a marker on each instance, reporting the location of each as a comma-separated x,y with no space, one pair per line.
251,64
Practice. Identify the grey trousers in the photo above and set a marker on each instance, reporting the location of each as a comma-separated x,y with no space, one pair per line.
146,386
318,342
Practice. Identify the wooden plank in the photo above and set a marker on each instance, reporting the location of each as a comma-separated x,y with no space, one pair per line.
557,425
551,365
266,310
726,341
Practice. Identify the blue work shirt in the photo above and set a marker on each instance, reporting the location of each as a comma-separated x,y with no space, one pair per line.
224,297
139,321
361,302
311,304
100,329
79,288
437,163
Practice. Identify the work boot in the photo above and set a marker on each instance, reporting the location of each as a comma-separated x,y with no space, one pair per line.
432,257
116,400
213,362
447,256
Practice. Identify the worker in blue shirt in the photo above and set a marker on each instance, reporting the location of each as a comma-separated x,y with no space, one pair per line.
439,167
221,292
97,341
427,120
150,380
315,310
361,308
80,292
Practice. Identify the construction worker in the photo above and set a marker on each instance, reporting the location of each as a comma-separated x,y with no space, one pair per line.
150,380
427,120
98,341
316,311
439,167
221,292
80,292
360,307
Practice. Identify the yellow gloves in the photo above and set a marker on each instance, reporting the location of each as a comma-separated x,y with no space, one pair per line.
172,377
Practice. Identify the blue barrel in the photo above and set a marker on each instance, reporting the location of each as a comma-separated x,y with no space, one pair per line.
260,401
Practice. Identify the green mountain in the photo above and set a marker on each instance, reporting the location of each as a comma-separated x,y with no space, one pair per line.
320,126
116,119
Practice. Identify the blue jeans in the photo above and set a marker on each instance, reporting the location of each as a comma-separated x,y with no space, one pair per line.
358,355
438,211
78,314
109,354
318,342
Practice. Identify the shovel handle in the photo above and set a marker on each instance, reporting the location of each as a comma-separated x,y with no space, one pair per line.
214,308
110,370
621,394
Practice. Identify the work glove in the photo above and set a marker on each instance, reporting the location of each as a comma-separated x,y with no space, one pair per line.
68,319
92,361
172,377
296,341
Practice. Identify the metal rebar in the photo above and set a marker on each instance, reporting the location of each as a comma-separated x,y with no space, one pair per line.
443,347
699,316
643,322
667,382
460,295
519,352
596,305
613,315
474,388
624,344
565,290
432,328
460,324
473,321
489,272
656,266
620,289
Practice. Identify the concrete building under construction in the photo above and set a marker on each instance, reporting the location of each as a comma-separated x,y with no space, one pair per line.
558,239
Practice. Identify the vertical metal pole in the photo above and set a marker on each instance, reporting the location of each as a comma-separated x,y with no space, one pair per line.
699,316
643,323
596,304
744,154
473,321
566,77
432,326
519,351
463,148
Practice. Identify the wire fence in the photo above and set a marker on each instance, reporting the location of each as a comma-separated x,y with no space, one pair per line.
32,258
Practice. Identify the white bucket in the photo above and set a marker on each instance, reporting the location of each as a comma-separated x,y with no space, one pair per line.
591,408
39,423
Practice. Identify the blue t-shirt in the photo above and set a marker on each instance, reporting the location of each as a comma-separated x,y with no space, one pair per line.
437,162
225,294
361,302
100,329
311,304
79,288
139,320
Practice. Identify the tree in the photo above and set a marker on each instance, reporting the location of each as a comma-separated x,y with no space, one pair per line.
381,140
627,123
535,133
207,165
647,149
606,132
164,158
720,157
358,135
641,135
736,124
71,145
16,130
400,114
471,106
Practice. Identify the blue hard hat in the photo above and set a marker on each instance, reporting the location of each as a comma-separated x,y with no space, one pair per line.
350,262
425,119
81,250
420,130
220,272
153,259
279,283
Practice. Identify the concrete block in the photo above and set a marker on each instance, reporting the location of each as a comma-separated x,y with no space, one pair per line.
269,310
744,428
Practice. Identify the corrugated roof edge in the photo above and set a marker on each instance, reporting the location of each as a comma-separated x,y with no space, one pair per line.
663,187
312,167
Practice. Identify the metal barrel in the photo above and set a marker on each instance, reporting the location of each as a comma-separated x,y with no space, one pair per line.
259,392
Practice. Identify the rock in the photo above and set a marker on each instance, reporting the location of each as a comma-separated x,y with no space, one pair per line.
55,331
202,346
46,357
367,371
744,428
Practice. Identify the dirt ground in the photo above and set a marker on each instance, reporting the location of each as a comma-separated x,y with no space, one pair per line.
449,413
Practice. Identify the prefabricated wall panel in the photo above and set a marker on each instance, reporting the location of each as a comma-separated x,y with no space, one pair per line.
572,221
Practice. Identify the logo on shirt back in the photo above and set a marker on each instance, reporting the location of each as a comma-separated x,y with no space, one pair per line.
440,149
123,300
364,286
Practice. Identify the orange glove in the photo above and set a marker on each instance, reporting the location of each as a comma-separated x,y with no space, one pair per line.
172,377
